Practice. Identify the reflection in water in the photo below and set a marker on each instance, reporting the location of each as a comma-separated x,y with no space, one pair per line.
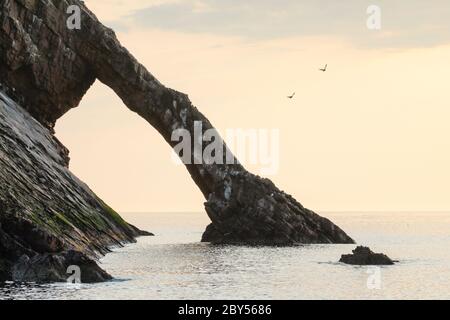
11,290
174,265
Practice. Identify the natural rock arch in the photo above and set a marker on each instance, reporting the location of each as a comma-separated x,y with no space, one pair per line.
52,67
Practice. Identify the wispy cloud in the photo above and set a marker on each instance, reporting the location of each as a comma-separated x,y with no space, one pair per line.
405,23
113,11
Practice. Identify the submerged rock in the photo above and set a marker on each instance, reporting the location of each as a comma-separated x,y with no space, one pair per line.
364,256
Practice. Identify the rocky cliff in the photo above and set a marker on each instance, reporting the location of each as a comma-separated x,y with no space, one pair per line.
46,68
49,219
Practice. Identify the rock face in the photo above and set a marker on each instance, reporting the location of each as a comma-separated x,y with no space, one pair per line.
364,256
47,69
44,209
55,268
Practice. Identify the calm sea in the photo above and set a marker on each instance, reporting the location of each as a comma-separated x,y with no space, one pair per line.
175,265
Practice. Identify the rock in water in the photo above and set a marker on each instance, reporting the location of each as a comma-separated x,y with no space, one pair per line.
56,268
364,256
47,68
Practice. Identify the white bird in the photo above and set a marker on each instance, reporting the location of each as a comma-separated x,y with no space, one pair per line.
324,69
291,96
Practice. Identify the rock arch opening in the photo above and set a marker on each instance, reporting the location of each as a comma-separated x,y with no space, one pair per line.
124,159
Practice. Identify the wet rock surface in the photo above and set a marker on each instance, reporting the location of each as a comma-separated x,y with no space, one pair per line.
256,212
364,256
47,68
57,268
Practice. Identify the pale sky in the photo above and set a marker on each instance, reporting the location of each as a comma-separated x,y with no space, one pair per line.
371,133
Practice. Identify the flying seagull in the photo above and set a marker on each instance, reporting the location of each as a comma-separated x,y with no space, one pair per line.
324,69
291,96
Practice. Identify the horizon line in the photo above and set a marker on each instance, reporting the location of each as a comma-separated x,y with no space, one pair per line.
317,211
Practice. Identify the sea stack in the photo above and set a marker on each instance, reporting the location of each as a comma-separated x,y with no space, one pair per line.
364,256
